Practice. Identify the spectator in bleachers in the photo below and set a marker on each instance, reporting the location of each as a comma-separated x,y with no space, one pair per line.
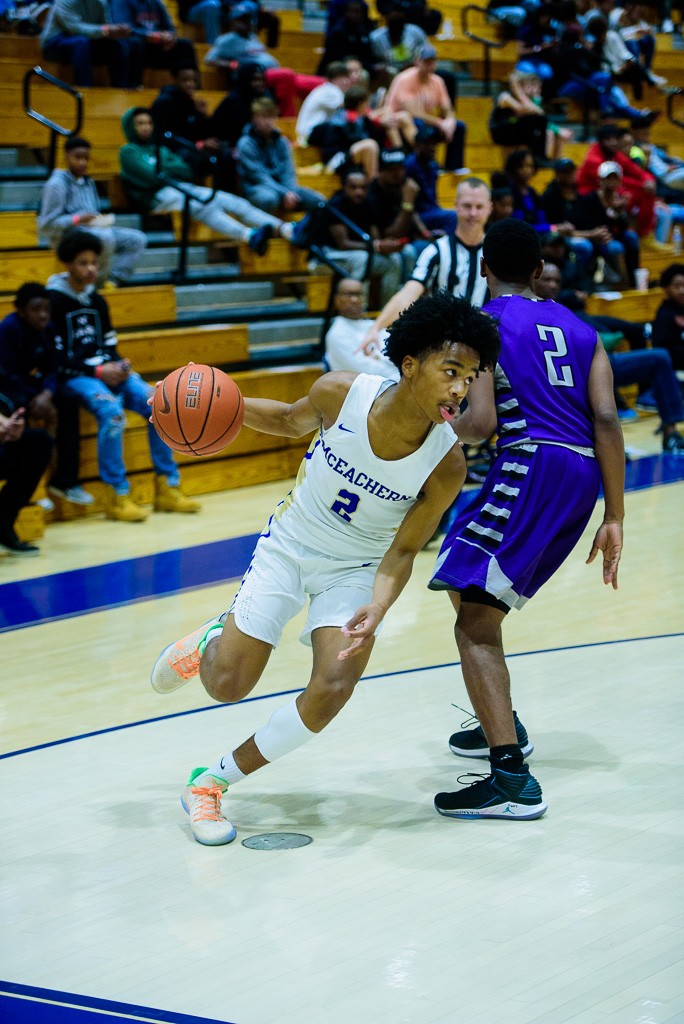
70,199
93,372
225,213
536,43
28,378
347,331
667,170
350,136
616,59
638,36
151,23
519,169
348,35
422,93
668,326
234,113
502,201
608,206
559,201
266,165
345,247
666,213
392,195
24,455
215,16
322,102
180,110
422,168
416,12
517,120
83,33
579,76
397,45
636,182
651,368
242,46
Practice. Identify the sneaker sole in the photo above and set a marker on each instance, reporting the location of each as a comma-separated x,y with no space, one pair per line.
507,811
482,753
222,841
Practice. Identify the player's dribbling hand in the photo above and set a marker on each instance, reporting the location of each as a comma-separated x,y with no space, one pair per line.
361,629
608,539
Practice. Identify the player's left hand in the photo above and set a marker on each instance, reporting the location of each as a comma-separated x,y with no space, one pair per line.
361,629
608,539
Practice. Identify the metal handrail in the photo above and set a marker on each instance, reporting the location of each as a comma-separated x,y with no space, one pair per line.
180,273
338,272
670,108
488,43
55,129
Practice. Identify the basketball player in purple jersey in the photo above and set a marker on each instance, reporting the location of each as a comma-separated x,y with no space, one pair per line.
550,401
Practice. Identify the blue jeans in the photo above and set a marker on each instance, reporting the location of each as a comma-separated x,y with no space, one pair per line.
651,366
107,406
123,56
627,246
208,14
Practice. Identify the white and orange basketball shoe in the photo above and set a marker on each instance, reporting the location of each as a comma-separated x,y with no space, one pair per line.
180,661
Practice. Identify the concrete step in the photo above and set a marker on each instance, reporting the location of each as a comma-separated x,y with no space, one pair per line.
242,312
24,195
166,257
225,295
274,333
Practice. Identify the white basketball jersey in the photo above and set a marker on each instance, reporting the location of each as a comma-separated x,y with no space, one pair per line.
346,502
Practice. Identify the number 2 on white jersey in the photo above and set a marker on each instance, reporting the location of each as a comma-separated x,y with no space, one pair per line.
346,504
560,376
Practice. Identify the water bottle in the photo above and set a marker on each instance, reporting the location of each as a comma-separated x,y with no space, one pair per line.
677,240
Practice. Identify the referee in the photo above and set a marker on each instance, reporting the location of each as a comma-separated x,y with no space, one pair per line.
452,262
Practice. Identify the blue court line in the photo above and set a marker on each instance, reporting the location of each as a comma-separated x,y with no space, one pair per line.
289,693
65,594
96,588
25,1004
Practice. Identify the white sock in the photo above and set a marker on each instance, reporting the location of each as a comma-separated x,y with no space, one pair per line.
286,230
225,769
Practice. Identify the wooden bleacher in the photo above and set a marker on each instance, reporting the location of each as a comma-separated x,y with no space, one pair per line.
155,349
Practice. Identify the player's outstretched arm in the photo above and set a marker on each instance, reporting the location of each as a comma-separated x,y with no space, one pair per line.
407,295
296,419
610,453
394,571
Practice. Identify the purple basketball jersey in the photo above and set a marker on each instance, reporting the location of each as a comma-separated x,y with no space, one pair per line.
542,377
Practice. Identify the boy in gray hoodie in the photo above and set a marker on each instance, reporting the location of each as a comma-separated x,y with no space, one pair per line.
70,200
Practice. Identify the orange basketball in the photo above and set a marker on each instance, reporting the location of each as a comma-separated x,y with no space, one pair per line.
198,410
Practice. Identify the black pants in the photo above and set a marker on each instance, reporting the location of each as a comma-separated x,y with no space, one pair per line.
68,445
22,463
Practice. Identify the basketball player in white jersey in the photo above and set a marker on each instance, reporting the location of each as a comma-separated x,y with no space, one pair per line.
383,467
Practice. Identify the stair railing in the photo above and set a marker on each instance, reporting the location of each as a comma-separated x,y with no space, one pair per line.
56,130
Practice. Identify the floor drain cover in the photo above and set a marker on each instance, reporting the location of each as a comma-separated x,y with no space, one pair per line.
277,841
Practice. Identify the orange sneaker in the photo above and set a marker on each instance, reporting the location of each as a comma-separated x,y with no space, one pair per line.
180,661
203,804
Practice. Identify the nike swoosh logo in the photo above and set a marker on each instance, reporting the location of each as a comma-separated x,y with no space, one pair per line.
347,430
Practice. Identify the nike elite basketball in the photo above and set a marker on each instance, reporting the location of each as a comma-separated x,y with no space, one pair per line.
198,410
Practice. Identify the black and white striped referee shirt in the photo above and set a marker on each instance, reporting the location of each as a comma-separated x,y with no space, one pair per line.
449,263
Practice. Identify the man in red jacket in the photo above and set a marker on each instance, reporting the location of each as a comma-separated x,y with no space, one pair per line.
638,183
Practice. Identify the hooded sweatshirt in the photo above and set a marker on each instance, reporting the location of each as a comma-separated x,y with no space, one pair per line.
84,336
27,360
139,166
64,197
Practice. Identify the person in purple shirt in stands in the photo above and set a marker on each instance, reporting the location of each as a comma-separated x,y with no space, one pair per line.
550,402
